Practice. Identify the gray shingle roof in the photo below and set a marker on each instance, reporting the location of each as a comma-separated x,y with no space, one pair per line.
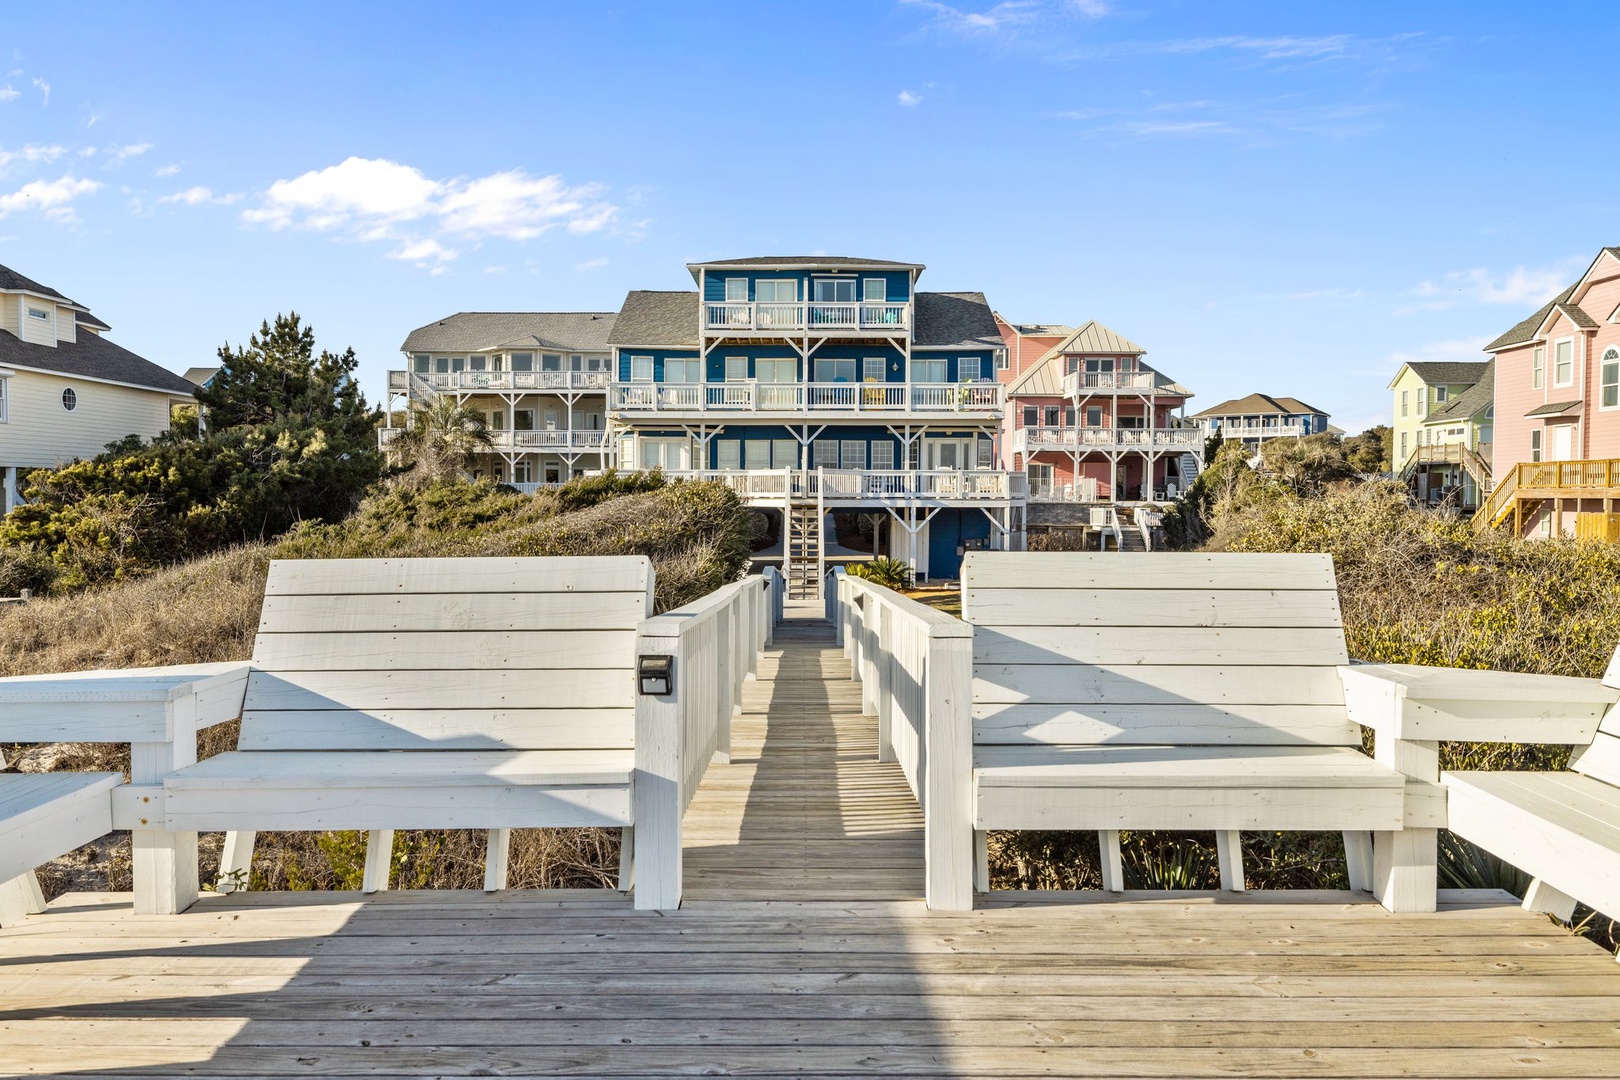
1579,317
955,320
804,262
1260,404
1553,408
84,318
657,318
1525,330
92,357
1441,372
474,331
1470,401
10,279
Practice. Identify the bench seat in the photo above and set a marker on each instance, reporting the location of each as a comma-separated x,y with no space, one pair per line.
1184,788
1562,828
46,815
413,789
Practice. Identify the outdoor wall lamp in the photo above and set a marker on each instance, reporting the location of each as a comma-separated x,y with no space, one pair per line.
656,675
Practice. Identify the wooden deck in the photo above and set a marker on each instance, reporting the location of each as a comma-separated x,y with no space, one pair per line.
803,950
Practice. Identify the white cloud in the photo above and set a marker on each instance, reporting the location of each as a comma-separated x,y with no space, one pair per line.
494,269
8,93
1272,48
31,154
53,198
166,170
591,264
1520,286
1471,349
1092,9
1002,16
44,89
122,154
379,200
200,196
908,99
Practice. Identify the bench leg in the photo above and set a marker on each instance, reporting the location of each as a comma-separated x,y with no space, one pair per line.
1542,898
627,858
981,861
496,853
164,864
379,859
1229,850
1404,869
235,862
1110,862
1358,859
19,898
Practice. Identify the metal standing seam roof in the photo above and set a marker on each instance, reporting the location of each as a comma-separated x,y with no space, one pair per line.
476,331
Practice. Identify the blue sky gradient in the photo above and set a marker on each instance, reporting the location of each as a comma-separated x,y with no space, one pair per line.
1282,197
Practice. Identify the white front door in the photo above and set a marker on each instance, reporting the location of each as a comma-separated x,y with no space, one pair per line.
1563,438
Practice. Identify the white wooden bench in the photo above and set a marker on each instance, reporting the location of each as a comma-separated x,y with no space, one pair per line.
1183,692
1562,828
450,693
46,815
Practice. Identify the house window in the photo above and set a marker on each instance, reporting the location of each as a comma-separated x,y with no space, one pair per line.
775,371
70,400
882,456
833,370
776,291
1001,360
683,370
1405,401
4,398
928,371
1403,446
550,362
969,369
421,363
1094,416
1423,404
736,369
852,453
641,369
1608,379
835,290
1535,444
825,454
987,453
1439,395
1049,416
1068,416
477,363
874,290
736,290
38,313
664,453
497,420
523,361
872,369
757,454
1032,416
1538,368
1564,362
784,453
523,420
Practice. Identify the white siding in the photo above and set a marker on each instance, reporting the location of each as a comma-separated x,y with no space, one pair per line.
39,432
38,331
65,324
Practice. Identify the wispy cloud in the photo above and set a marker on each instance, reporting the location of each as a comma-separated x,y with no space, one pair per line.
1092,9
201,196
1259,123
1450,349
31,154
166,170
117,155
1521,286
44,89
9,93
428,254
1266,48
52,198
909,99
591,264
377,199
961,20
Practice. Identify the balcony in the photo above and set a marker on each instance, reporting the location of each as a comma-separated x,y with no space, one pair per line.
476,381
1290,430
868,486
1082,383
524,442
735,317
1033,440
977,398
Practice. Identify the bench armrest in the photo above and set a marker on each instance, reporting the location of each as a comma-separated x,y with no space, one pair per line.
1433,704
130,705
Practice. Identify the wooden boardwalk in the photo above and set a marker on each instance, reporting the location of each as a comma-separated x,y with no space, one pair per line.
803,950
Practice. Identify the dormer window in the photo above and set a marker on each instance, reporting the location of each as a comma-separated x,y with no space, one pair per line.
38,313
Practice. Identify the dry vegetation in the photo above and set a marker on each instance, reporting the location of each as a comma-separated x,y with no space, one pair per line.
697,535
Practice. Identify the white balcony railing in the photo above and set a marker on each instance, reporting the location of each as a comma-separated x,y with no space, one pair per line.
864,317
1032,440
1076,383
525,441
472,381
1292,429
864,485
756,397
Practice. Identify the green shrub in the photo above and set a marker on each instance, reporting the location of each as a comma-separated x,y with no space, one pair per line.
890,573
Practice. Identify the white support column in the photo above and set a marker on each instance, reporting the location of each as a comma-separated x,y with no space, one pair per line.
981,861
1358,859
1404,872
1109,860
235,862
19,898
497,852
885,683
1229,849
165,863
379,860
627,858
948,775
656,802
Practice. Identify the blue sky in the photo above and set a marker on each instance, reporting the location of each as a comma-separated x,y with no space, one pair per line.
1282,197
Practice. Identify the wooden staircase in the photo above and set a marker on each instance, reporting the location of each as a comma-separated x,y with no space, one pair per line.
805,549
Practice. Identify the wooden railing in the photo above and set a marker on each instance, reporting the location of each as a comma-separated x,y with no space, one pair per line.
1588,478
915,667
712,646
751,396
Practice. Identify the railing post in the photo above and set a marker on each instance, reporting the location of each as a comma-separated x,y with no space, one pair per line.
656,801
885,681
947,779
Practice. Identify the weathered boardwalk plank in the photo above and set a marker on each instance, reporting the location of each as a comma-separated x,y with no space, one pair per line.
803,950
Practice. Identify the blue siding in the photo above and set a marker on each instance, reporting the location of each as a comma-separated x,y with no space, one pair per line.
897,282
894,367
952,358
658,355
946,532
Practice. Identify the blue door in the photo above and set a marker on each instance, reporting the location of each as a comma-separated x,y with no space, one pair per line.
949,534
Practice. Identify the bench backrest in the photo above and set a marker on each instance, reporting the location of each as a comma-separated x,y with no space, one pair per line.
1076,648
474,654
1601,760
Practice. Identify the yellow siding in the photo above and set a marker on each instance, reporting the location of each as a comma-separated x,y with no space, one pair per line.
10,305
38,331
65,324
39,432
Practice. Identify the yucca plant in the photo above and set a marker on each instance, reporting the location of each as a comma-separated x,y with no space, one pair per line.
890,573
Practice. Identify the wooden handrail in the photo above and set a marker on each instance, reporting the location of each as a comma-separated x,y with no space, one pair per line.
1549,479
